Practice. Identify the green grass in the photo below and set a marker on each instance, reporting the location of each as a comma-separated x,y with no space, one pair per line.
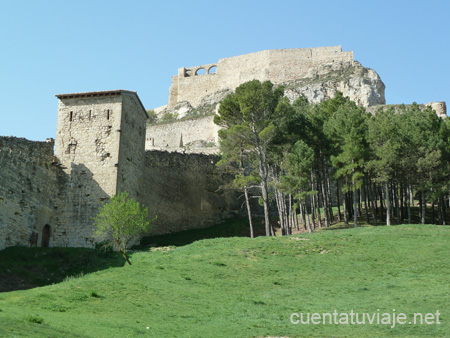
231,228
242,287
25,268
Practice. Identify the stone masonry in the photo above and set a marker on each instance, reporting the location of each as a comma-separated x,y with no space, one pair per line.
50,191
49,198
316,73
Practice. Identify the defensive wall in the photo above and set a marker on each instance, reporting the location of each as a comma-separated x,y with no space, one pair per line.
29,187
186,191
439,107
278,66
183,135
49,197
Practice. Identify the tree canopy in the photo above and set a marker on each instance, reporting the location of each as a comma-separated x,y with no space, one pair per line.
308,158
121,222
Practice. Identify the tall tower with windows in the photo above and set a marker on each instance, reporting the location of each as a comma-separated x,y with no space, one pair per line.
100,145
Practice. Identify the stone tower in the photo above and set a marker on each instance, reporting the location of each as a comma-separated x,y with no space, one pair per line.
100,142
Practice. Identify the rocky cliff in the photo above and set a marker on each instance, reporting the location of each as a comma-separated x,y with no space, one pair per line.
362,85
176,129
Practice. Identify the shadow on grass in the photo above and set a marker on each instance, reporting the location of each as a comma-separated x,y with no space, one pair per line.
229,228
25,268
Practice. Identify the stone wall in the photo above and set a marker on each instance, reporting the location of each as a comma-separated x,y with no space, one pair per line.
29,189
186,191
278,66
131,148
439,107
100,145
195,135
87,147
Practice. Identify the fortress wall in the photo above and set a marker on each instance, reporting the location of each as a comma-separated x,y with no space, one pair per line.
28,190
87,146
278,66
439,107
88,133
168,136
131,149
184,191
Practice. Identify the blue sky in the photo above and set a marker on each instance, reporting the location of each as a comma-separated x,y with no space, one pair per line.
53,47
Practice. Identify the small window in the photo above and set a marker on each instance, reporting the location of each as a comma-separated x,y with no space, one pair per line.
90,114
71,116
107,114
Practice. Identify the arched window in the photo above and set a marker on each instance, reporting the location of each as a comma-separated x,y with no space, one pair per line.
46,232
200,71
212,70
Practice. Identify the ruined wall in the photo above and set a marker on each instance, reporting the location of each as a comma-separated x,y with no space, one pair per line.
189,135
278,66
184,191
29,187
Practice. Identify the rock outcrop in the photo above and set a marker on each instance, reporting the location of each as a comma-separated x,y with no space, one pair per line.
185,127
362,85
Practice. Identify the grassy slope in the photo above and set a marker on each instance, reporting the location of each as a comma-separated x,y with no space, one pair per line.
239,287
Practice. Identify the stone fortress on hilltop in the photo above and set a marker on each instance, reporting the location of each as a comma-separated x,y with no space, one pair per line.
50,191
316,73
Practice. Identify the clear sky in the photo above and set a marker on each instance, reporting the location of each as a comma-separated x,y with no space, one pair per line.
53,47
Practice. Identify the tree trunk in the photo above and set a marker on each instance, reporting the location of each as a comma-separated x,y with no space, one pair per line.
280,211
330,204
372,203
338,201
424,207
355,201
397,204
124,254
402,201
265,198
249,211
345,210
308,221
325,205
355,207
366,199
433,218
380,190
388,204
408,202
444,212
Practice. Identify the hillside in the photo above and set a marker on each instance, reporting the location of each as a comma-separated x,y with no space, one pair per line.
241,287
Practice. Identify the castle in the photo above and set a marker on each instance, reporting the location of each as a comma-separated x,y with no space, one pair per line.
49,191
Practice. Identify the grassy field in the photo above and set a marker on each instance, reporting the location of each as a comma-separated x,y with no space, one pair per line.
241,287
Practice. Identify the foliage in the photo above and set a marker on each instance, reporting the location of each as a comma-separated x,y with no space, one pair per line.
152,117
301,151
121,222
169,117
248,116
